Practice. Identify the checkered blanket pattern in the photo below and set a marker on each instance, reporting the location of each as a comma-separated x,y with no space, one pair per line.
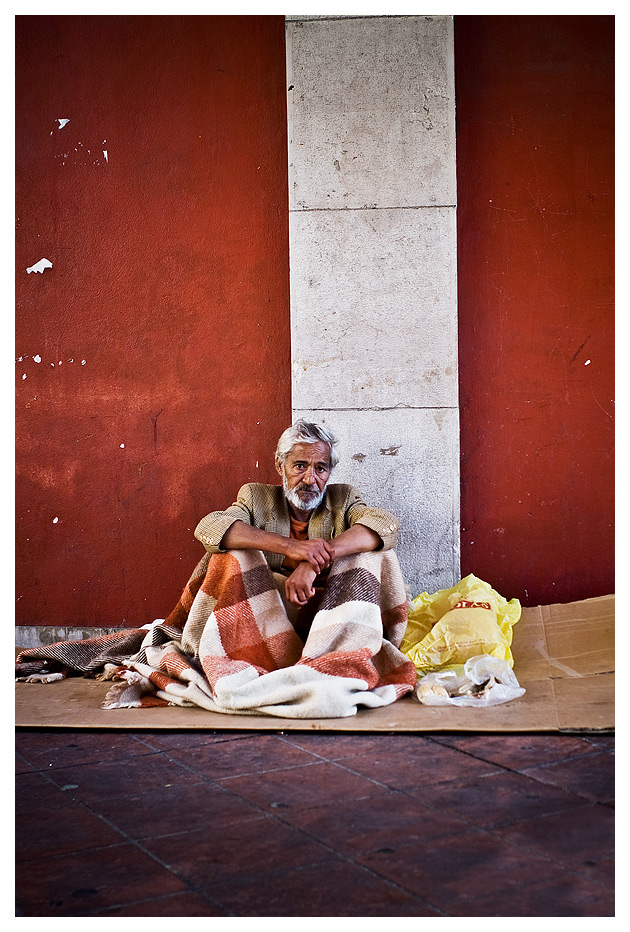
91,656
228,646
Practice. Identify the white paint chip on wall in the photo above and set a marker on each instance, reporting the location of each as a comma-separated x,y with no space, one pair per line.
40,266
62,123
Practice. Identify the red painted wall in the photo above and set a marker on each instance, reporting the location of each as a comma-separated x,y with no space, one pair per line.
163,324
535,150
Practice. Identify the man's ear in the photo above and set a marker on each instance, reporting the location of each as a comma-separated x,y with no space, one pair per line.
278,466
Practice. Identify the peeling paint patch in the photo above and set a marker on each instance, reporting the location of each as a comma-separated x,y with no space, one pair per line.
588,362
391,451
40,266
105,155
55,520
122,446
37,358
62,123
24,376
359,457
83,362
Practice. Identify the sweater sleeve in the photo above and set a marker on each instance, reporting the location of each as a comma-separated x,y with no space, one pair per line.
377,519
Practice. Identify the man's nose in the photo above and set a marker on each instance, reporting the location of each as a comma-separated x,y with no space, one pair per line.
309,476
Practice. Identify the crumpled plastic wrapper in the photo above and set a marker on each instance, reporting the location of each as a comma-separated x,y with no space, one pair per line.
481,682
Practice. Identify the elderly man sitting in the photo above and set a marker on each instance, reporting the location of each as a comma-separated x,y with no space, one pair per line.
296,610
303,526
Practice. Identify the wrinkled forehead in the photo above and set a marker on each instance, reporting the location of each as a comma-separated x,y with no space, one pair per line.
318,452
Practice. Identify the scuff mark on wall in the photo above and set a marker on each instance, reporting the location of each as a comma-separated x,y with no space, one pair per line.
40,266
154,418
438,417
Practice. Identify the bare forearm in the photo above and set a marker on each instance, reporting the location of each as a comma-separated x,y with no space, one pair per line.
357,539
241,536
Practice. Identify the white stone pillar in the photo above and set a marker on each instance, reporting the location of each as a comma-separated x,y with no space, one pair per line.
372,199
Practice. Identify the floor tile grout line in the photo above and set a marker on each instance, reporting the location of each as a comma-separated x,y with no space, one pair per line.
511,769
235,776
104,910
346,857
265,814
132,841
388,786
167,754
227,740
204,779
297,829
526,772
128,839
490,832
472,826
600,752
357,863
222,781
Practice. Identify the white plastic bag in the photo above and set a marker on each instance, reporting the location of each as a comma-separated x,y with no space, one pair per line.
481,682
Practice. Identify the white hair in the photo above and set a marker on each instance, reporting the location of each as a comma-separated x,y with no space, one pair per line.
306,432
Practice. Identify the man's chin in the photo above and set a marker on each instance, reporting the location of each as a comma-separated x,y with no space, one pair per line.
305,501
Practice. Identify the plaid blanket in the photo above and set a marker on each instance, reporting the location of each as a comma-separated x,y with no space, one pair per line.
229,646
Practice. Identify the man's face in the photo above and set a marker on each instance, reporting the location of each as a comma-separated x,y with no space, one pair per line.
305,473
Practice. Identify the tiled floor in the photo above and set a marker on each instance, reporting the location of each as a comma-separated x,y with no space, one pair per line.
313,824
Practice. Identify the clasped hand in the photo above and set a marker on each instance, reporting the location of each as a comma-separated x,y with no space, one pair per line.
299,586
318,552
314,556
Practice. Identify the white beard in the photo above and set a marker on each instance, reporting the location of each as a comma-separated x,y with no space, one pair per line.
308,503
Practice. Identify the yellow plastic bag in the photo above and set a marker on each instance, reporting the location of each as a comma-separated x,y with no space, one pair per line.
447,628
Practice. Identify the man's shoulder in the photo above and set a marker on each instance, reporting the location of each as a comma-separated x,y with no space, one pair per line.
260,492
260,488
339,492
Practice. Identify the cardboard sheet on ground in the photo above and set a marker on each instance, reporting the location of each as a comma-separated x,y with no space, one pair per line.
563,656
